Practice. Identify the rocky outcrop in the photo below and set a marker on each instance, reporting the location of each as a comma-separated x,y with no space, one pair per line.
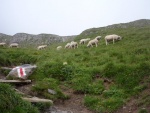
25,39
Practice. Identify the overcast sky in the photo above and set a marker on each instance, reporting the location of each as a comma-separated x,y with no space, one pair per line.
67,17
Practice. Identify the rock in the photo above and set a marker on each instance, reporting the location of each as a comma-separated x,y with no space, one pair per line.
22,71
24,39
51,91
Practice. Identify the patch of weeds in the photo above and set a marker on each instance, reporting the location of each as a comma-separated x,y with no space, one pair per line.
80,84
11,102
113,103
91,102
41,87
103,105
111,70
145,101
143,69
95,87
142,111
139,88
57,70
42,106
4,71
114,93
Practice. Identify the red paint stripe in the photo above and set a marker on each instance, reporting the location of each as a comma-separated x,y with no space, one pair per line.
21,72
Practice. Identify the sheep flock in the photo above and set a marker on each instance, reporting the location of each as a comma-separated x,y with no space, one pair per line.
75,44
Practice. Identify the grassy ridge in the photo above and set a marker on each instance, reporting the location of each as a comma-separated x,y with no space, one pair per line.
126,63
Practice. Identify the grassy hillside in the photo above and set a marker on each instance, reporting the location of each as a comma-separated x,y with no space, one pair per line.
108,75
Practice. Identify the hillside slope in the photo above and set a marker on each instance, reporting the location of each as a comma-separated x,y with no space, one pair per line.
111,29
102,79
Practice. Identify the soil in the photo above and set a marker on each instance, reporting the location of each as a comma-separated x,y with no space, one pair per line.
72,105
75,103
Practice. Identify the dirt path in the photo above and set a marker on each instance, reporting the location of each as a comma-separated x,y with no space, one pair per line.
74,104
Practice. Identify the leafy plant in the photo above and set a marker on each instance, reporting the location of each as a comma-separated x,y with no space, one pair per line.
11,102
41,87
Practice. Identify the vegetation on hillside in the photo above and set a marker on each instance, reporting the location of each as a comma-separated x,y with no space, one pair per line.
125,65
11,102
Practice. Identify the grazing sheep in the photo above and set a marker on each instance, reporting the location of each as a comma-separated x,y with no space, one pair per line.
94,41
83,41
2,44
41,47
14,45
59,47
67,45
73,45
113,38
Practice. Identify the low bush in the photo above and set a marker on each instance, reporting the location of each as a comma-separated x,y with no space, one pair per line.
41,88
55,70
11,102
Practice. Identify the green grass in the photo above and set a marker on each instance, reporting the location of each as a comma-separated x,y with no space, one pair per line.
126,63
41,87
11,102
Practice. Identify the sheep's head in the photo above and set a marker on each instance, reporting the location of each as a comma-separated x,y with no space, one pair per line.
98,37
119,37
88,45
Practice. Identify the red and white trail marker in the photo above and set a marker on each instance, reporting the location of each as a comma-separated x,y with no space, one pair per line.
21,72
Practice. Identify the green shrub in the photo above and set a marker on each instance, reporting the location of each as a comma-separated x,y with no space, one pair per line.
142,111
80,84
56,70
110,70
139,88
41,88
91,102
11,102
114,93
16,57
42,106
95,87
113,103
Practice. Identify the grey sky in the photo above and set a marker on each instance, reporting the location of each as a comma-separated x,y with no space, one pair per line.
67,17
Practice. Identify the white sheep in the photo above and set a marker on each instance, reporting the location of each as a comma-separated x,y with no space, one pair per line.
59,47
67,45
94,41
83,41
73,45
113,38
2,44
41,47
14,45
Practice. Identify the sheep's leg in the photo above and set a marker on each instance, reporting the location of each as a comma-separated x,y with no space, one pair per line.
96,44
106,42
113,41
91,45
